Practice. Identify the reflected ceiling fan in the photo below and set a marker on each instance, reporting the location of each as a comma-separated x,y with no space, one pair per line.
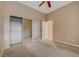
48,3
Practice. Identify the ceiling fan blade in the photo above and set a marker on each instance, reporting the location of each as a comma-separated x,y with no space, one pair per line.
41,3
49,4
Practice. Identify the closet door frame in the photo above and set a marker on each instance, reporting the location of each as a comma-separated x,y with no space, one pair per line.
23,26
10,28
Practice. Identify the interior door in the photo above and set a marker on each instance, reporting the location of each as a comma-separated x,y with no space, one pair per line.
44,30
47,33
15,30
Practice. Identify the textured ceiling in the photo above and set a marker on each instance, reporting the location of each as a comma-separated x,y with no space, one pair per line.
44,8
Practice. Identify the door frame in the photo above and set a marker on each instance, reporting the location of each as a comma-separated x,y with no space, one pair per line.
23,26
10,28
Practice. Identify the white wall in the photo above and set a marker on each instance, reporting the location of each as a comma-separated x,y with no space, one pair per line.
36,32
17,9
2,44
66,23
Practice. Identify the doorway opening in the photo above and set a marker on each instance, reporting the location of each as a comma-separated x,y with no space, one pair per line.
27,29
20,30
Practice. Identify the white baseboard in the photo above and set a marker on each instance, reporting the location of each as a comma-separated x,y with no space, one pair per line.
67,43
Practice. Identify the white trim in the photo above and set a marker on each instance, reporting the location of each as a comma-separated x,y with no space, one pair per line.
2,51
6,48
66,43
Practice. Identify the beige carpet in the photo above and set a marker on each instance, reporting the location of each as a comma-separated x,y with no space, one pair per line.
37,49
17,51
43,50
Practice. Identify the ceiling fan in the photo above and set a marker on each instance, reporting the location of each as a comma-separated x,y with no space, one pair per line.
48,3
